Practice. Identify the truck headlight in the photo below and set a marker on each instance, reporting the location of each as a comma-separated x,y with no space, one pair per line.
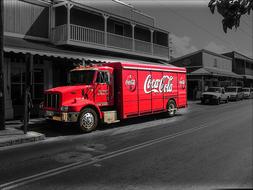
64,108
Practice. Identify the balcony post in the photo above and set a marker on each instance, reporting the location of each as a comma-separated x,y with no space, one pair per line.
169,46
133,37
105,28
152,41
51,22
68,6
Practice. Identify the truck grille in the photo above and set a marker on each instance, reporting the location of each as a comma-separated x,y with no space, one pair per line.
52,100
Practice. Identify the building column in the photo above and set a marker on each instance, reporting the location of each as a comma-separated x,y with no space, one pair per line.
169,47
152,41
105,28
202,83
133,36
51,22
68,6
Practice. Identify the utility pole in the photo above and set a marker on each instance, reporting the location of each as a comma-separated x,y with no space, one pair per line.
2,103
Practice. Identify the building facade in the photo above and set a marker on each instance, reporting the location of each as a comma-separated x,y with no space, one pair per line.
206,69
242,65
44,39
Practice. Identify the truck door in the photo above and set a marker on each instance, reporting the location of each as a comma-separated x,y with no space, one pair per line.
102,88
182,95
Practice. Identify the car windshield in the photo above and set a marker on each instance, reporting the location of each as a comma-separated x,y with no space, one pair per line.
214,90
231,89
245,89
81,77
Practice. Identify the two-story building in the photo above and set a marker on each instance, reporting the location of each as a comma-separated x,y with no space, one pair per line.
206,69
46,38
242,65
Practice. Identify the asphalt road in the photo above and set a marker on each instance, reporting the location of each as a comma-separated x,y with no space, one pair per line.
203,147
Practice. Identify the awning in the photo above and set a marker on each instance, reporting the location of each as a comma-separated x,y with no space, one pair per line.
19,45
215,72
250,77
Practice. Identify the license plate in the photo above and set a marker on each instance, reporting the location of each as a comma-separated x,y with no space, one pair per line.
49,113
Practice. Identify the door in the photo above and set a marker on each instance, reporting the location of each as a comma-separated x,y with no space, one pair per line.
182,94
102,88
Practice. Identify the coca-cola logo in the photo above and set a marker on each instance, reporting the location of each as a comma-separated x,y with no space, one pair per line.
130,83
158,85
182,83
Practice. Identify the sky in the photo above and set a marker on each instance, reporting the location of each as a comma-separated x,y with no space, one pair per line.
194,27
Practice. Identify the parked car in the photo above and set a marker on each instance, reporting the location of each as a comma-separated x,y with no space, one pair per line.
214,95
235,93
246,93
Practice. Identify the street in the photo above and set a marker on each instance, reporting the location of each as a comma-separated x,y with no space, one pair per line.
202,147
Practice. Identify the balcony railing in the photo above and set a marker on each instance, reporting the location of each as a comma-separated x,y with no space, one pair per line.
88,35
143,47
114,40
84,35
160,50
60,33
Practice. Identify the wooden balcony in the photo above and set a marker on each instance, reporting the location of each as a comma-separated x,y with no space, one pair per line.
91,38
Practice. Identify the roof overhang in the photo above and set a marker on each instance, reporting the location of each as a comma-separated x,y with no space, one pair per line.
19,45
215,72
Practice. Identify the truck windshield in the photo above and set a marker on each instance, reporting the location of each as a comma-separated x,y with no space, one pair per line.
214,90
231,89
81,77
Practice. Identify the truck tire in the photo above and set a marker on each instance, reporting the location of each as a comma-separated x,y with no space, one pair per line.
171,107
88,120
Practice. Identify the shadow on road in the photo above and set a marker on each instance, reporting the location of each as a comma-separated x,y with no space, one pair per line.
61,129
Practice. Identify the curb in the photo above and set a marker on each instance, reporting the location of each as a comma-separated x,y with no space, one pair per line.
29,137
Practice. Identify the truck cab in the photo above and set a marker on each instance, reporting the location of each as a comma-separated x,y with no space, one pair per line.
89,90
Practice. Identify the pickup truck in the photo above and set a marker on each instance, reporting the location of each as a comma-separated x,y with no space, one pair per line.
214,95
247,93
235,93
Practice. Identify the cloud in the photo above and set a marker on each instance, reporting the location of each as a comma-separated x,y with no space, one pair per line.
212,46
181,45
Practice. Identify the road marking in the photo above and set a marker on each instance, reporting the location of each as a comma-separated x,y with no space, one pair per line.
94,160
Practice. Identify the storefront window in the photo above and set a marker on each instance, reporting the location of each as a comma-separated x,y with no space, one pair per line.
38,85
18,83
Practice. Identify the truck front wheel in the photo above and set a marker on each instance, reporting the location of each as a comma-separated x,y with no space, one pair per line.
171,107
88,120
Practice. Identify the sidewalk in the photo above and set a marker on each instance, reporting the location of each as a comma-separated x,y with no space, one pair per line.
13,135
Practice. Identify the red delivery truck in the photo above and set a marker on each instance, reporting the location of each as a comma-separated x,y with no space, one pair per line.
110,92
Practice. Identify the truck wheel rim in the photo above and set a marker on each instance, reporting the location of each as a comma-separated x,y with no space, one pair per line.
171,109
87,120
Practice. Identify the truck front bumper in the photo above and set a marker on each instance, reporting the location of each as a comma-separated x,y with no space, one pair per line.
61,116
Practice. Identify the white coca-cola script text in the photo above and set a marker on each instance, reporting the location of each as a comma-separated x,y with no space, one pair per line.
158,85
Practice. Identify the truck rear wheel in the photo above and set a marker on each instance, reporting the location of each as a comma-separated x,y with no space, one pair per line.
171,107
88,120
